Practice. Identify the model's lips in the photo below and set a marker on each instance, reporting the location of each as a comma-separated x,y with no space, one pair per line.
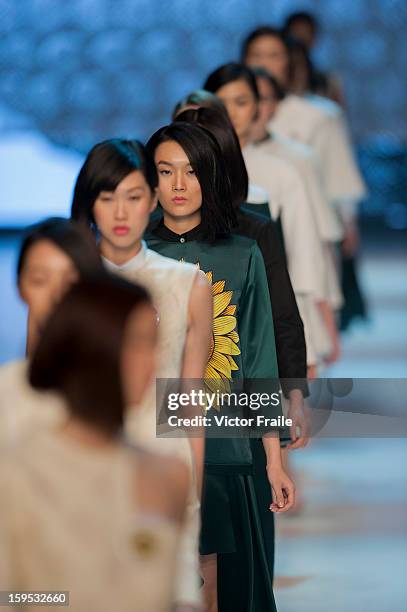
179,200
121,230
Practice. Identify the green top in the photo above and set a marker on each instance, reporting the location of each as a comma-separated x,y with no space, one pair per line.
243,336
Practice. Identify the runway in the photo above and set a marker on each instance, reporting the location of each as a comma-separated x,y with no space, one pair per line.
347,550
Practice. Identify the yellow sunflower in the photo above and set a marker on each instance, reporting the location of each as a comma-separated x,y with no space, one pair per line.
225,339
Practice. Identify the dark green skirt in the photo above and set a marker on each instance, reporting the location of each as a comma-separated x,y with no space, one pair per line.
238,526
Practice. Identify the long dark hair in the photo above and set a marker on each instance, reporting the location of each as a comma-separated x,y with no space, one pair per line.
297,49
228,73
79,352
69,236
106,165
205,156
220,126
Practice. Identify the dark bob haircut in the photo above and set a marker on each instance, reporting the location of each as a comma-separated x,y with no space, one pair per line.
262,73
106,165
220,126
228,73
69,236
218,216
199,98
79,352
301,17
259,33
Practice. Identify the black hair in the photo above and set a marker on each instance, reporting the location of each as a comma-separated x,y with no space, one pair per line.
228,73
218,216
220,126
262,73
297,48
258,33
201,98
106,165
303,16
69,236
79,352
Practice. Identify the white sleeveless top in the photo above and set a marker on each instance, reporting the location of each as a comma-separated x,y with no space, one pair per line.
70,521
170,283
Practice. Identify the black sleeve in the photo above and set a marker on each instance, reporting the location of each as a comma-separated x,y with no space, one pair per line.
288,325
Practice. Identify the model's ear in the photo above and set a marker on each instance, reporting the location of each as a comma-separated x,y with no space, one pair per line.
154,200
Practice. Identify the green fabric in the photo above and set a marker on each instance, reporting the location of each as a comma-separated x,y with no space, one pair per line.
244,579
236,264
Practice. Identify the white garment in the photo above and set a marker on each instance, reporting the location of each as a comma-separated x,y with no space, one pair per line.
344,184
298,119
71,521
23,410
257,195
308,166
321,124
169,283
288,200
329,228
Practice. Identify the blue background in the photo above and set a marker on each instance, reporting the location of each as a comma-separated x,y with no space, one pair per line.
78,71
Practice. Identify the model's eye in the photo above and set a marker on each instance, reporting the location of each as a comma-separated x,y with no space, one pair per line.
191,172
105,198
135,198
165,172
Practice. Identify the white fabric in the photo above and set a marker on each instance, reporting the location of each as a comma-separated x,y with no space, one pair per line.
321,124
308,166
22,409
169,283
257,195
306,163
288,200
298,119
316,334
71,520
343,182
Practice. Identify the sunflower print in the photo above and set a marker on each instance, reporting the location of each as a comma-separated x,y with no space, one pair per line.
225,339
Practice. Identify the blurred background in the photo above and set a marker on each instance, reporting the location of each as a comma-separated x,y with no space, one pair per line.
73,73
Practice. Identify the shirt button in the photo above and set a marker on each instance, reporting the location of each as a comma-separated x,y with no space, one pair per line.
182,240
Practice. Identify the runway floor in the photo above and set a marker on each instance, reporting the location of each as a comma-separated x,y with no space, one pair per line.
347,550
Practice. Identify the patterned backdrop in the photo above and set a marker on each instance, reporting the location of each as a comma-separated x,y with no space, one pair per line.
82,70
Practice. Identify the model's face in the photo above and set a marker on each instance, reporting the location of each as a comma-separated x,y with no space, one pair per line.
270,53
179,191
138,358
241,105
46,275
302,31
122,215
